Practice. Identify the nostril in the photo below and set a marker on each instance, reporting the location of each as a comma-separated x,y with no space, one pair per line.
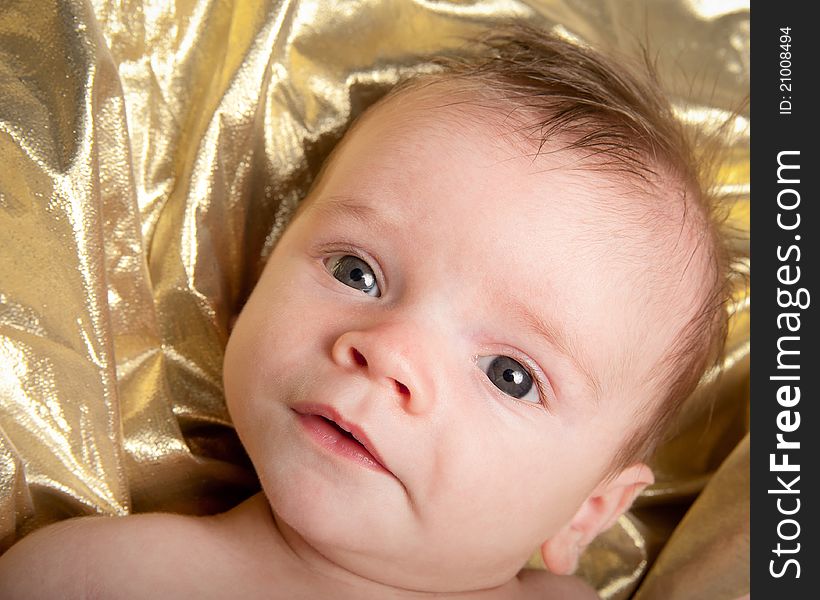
403,390
358,357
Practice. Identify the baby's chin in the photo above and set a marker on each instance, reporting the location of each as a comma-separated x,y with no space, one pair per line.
368,542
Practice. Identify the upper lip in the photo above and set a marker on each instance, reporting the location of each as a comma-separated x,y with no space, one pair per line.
330,413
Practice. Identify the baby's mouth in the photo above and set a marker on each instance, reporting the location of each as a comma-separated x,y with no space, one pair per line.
342,431
331,431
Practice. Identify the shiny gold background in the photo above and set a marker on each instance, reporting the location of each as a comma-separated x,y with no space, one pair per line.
150,153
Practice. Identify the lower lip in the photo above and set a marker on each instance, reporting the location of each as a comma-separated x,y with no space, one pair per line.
327,436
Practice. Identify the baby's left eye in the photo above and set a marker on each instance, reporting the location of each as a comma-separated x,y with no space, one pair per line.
511,377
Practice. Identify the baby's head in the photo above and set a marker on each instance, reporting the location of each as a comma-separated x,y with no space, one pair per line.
503,283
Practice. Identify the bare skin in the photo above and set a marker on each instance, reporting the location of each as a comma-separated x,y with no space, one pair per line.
241,553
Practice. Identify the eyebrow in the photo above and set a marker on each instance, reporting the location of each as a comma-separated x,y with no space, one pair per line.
557,336
348,206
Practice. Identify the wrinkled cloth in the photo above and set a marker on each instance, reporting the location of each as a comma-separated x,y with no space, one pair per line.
150,155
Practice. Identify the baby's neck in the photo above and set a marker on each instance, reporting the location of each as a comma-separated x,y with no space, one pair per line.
289,563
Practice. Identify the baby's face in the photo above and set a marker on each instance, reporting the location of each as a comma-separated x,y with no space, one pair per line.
477,316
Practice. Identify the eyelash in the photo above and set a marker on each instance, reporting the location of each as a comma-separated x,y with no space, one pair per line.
327,250
536,379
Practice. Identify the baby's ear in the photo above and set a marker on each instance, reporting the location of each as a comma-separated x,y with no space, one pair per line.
597,514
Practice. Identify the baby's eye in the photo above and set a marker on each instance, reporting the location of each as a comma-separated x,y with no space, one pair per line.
354,272
511,377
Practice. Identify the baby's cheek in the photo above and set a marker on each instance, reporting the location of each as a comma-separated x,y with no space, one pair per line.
521,477
470,472
491,501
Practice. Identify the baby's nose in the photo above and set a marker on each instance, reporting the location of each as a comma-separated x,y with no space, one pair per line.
389,358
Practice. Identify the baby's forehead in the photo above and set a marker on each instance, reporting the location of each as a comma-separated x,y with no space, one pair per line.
650,218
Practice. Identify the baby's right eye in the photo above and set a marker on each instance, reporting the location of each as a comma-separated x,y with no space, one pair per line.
353,272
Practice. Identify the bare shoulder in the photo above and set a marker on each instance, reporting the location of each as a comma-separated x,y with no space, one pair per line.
87,557
544,585
50,562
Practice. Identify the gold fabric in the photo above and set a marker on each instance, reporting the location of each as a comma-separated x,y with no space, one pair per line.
150,153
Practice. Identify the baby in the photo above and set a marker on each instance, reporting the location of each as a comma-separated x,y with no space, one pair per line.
463,348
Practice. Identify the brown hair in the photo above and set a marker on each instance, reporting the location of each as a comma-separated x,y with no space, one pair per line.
617,117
